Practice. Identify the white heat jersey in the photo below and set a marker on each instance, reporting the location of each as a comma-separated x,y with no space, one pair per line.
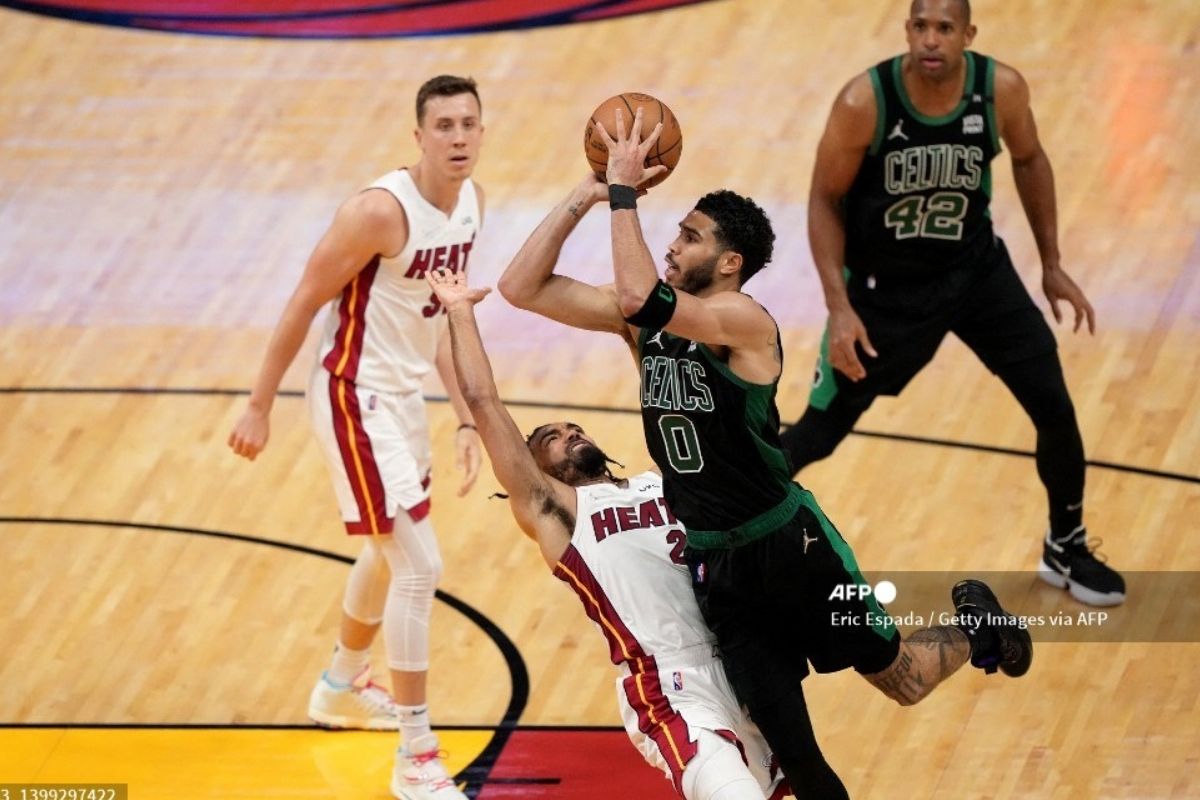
382,331
625,562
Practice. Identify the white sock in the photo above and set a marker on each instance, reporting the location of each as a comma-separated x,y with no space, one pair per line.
345,665
414,722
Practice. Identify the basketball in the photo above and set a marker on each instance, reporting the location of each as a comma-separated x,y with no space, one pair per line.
666,150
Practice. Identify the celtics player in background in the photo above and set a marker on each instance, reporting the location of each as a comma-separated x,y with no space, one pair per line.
765,562
902,239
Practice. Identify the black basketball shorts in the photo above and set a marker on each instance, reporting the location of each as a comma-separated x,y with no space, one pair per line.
984,304
788,599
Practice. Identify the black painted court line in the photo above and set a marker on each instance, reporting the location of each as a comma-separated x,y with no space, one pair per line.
897,437
474,774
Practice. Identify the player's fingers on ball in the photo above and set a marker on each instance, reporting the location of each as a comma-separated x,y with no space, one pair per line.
603,132
620,124
649,141
635,131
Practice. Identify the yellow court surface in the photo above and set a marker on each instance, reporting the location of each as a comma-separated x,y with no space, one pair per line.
229,763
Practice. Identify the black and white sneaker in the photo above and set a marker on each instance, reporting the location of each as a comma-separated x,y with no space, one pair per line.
997,638
1072,564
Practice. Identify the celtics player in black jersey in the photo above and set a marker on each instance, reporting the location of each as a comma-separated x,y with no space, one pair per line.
769,570
903,242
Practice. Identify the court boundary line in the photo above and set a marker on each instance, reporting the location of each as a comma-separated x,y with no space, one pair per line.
475,774
1114,466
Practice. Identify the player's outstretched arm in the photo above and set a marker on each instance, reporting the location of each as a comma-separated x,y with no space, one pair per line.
726,318
530,283
542,505
466,438
1034,178
848,134
367,224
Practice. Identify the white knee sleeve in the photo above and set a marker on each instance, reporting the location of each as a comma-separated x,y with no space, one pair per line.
367,587
416,565
717,772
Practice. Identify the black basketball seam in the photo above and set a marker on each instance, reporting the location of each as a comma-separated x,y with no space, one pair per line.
632,113
587,151
662,117
678,143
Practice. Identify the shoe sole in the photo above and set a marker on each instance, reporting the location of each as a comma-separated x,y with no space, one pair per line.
351,723
1083,594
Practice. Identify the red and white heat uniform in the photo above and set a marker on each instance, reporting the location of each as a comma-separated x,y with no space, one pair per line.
379,341
625,562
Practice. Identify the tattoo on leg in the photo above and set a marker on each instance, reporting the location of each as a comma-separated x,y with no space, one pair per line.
926,658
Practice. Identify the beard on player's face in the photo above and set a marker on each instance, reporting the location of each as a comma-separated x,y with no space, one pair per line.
581,464
699,277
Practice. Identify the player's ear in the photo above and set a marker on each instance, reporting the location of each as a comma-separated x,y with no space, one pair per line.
730,263
969,35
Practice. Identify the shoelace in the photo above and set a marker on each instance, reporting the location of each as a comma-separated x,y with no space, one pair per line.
376,697
1092,547
421,759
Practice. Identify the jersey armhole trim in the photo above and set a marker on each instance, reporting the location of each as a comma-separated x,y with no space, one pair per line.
880,111
724,369
989,87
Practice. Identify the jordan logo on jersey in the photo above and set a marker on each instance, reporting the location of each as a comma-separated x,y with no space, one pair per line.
897,132
452,257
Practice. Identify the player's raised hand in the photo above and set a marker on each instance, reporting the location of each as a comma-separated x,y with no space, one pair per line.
1058,286
451,287
627,153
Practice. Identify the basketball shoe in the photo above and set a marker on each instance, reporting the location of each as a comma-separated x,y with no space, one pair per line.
1071,564
363,704
419,773
996,638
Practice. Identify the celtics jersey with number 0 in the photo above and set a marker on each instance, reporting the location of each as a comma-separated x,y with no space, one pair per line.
919,204
714,436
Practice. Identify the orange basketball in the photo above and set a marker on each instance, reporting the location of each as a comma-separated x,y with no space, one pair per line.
666,150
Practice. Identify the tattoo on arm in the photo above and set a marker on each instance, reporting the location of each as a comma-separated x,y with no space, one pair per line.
574,209
926,658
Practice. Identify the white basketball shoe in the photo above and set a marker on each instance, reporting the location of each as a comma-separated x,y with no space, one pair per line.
363,704
419,773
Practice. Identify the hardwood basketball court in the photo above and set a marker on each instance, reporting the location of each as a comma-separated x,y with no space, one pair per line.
169,605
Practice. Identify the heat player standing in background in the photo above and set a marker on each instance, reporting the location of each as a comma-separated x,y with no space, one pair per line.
384,330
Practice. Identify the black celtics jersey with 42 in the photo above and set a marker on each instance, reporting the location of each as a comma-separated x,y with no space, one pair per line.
714,436
919,204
